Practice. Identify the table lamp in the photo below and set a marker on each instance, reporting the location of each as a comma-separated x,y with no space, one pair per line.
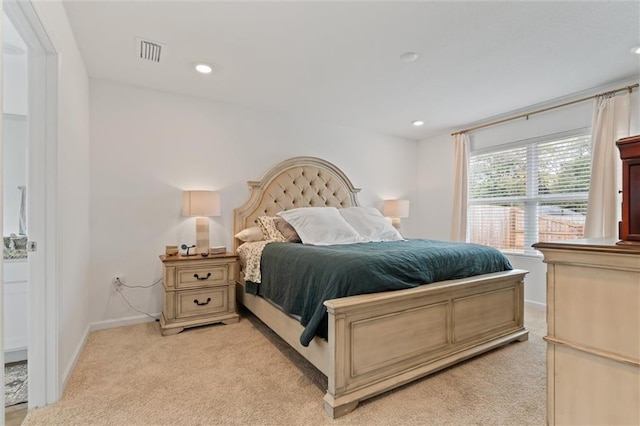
201,204
395,209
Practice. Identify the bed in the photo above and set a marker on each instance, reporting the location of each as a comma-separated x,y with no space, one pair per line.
376,342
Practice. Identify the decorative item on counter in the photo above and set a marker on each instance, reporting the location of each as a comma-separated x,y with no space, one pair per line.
218,250
186,248
20,243
171,250
15,247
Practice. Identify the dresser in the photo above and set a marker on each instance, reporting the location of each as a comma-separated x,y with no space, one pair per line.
630,156
593,332
197,290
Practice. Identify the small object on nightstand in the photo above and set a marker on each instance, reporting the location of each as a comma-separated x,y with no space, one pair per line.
218,250
171,250
187,248
204,254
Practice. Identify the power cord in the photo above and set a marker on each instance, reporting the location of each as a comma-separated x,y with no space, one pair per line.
156,282
120,284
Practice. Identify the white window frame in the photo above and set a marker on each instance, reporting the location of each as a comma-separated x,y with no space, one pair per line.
530,200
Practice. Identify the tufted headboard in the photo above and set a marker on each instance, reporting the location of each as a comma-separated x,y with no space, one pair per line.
296,182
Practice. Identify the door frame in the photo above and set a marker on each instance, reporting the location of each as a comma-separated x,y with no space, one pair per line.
44,382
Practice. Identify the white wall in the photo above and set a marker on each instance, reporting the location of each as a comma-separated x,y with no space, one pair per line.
436,172
147,146
72,186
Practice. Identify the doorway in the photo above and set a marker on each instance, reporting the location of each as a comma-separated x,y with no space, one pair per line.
36,221
14,179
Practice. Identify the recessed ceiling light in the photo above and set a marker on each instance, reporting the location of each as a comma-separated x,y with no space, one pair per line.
635,49
408,56
203,68
417,123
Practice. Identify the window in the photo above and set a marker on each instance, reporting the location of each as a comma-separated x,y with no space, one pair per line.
529,192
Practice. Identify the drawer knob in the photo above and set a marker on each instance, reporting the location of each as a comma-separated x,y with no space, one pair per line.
202,303
196,276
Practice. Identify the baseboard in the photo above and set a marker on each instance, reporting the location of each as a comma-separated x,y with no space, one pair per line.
537,305
74,360
102,325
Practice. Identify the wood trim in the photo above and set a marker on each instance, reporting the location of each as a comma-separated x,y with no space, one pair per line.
599,245
602,354
179,258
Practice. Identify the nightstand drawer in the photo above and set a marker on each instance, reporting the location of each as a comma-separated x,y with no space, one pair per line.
202,302
203,276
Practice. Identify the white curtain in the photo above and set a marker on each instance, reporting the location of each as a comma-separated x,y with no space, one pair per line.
611,121
459,220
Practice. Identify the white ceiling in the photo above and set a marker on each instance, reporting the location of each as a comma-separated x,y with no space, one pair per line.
339,62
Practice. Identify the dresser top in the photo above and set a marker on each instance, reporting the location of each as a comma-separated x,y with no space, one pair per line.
607,245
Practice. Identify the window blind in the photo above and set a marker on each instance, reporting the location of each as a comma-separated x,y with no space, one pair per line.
529,193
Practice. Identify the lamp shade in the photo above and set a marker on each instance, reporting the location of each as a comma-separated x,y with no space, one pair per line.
395,208
201,203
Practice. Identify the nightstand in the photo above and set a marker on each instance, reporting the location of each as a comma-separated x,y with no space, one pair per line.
197,290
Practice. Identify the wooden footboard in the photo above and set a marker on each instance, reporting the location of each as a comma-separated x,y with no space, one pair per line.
381,341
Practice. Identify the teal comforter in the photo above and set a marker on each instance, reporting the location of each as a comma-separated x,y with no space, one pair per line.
299,278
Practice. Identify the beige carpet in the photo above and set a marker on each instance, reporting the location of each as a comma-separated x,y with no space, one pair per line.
242,374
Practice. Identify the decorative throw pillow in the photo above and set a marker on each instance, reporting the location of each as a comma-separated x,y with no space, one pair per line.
321,226
269,229
370,224
287,231
253,233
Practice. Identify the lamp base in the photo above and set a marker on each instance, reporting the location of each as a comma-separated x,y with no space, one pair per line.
202,235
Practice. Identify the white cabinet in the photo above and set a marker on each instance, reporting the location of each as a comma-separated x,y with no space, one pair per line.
593,332
16,299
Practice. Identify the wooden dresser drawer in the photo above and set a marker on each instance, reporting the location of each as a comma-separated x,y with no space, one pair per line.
202,302
202,276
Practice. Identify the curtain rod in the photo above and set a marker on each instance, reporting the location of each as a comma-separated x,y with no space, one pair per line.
504,120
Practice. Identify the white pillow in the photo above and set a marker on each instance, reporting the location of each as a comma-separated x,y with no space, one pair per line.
253,233
370,224
321,226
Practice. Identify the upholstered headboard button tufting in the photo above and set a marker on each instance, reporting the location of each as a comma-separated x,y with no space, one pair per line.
297,182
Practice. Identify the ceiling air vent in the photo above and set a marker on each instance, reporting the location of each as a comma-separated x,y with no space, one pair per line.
149,50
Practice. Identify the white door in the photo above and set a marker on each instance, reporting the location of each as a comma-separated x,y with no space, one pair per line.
15,134
40,202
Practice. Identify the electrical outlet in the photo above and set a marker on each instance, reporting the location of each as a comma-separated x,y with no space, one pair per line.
118,281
